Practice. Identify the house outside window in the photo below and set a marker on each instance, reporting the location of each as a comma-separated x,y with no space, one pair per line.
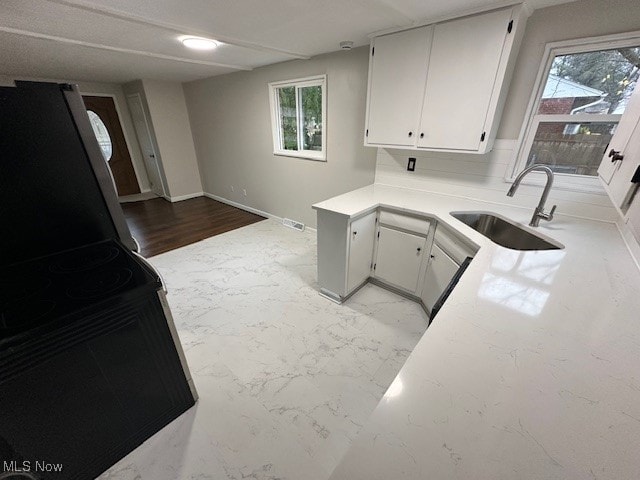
298,117
581,94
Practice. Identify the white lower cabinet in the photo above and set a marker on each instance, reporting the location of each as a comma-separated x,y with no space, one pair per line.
399,258
440,272
361,241
392,247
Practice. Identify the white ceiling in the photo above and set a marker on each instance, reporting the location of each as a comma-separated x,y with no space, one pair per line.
122,40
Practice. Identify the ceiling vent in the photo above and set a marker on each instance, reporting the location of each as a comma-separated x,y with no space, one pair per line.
346,45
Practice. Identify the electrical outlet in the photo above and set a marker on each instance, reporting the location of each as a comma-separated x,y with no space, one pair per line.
411,165
232,189
244,191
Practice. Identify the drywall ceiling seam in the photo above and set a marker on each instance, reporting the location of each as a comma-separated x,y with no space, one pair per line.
119,14
130,51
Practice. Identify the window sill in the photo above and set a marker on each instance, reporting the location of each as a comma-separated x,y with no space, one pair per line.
319,157
564,182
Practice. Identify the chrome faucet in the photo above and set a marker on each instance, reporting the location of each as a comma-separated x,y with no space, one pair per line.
539,212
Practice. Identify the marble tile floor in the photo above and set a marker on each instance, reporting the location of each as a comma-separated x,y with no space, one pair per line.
286,378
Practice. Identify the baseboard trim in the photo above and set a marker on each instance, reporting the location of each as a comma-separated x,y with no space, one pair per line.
329,295
241,206
250,209
180,198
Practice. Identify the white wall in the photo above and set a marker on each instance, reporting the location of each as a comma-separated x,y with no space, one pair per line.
231,126
166,110
111,89
483,176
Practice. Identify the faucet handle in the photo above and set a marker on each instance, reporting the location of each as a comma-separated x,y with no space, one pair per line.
549,216
540,213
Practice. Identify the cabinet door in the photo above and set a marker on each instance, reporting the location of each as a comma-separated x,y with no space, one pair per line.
399,258
464,61
439,273
361,239
626,142
396,86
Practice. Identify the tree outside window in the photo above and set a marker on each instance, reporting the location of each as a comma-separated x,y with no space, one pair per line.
298,117
577,112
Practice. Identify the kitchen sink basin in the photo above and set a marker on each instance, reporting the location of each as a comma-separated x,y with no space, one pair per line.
505,233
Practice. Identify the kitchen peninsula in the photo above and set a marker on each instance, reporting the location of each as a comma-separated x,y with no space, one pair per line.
529,371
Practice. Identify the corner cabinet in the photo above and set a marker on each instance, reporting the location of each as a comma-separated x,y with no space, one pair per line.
399,258
442,87
407,253
402,244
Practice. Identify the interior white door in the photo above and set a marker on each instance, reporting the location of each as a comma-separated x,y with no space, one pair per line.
398,74
439,273
143,133
362,234
465,55
399,258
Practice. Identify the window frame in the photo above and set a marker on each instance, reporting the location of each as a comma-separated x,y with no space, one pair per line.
562,181
276,130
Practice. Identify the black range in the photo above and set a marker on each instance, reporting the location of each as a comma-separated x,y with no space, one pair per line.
90,362
44,293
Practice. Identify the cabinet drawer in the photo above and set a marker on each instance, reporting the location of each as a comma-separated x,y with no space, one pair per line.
405,222
453,245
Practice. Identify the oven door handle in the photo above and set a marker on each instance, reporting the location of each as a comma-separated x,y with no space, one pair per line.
137,244
154,269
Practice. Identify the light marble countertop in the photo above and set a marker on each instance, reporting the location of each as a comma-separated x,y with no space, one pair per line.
530,370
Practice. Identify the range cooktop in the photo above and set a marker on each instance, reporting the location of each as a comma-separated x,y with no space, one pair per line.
41,291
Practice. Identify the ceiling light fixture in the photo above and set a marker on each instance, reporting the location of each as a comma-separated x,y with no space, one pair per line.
199,43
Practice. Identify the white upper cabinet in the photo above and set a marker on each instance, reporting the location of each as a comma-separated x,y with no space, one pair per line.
622,158
397,76
461,84
465,58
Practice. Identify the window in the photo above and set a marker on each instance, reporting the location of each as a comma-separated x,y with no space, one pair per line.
102,134
298,117
582,92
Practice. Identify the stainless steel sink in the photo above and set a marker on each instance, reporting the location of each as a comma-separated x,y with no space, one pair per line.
505,233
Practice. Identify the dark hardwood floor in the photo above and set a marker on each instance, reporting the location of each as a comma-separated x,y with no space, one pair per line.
160,226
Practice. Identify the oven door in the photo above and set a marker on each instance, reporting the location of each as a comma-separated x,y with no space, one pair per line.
83,397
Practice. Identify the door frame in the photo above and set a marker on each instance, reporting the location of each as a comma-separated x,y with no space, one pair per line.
159,166
124,132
